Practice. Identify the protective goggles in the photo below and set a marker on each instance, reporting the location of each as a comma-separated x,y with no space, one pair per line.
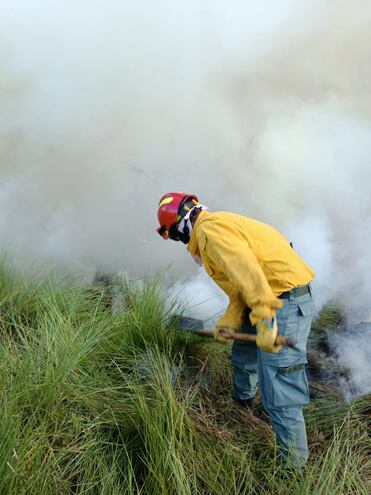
172,233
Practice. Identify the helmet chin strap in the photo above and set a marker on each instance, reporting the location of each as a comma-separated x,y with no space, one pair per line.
184,227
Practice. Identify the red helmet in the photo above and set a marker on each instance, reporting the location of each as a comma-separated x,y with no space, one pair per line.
170,210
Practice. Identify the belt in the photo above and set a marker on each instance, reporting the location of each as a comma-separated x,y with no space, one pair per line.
297,292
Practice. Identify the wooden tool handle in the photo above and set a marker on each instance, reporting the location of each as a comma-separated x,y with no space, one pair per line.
280,340
247,337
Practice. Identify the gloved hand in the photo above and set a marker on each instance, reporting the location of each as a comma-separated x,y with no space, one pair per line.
267,334
223,334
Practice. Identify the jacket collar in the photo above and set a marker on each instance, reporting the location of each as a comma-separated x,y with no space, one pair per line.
192,246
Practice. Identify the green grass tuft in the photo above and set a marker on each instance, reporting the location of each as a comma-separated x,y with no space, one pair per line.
96,401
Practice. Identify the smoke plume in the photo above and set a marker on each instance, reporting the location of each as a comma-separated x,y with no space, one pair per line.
262,108
353,350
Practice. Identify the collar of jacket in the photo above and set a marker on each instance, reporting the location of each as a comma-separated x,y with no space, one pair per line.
192,246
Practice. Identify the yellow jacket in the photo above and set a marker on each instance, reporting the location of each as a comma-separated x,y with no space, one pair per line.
251,261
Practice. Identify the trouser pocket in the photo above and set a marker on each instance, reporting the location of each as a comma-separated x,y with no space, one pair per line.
289,386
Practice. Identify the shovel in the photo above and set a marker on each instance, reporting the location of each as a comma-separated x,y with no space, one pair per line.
196,326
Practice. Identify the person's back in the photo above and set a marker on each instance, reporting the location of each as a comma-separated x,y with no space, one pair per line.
282,266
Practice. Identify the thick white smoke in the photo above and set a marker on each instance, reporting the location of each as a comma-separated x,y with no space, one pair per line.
353,351
106,106
263,108
200,297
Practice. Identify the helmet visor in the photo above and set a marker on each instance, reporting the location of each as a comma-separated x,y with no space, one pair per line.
164,233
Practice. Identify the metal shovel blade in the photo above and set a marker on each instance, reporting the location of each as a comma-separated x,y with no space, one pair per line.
189,324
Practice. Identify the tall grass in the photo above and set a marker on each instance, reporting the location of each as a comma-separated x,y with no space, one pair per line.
102,402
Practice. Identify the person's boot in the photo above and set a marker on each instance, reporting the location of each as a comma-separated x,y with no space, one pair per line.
256,409
246,403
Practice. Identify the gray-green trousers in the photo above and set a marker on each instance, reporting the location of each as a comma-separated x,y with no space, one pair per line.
282,378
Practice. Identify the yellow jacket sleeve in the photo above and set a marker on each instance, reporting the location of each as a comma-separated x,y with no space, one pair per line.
234,313
230,252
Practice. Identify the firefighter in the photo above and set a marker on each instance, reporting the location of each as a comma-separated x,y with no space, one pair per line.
269,291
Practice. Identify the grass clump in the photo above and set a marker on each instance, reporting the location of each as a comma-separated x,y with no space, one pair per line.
96,401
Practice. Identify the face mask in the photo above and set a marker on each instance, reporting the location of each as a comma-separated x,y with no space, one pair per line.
184,227
176,235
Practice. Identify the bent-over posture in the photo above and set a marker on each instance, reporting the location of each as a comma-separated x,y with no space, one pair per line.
269,294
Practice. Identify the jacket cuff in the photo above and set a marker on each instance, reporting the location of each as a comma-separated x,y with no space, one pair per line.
261,313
